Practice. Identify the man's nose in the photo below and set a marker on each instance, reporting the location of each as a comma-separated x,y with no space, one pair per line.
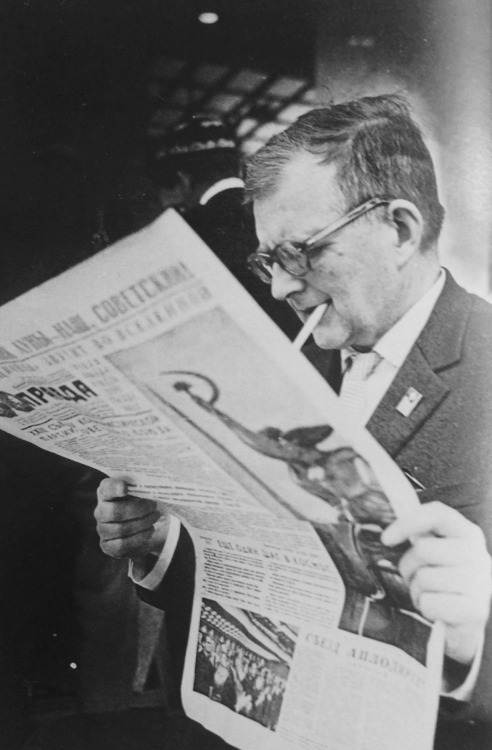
284,284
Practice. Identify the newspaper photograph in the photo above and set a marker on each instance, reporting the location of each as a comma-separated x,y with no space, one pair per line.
284,654
150,362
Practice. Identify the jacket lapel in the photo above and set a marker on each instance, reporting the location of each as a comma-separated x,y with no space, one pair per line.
391,428
438,348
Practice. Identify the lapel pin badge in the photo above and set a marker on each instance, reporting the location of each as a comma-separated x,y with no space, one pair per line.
409,402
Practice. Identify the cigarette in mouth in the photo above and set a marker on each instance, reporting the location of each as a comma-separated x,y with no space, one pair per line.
309,326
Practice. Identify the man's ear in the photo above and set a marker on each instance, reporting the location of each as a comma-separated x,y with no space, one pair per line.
409,225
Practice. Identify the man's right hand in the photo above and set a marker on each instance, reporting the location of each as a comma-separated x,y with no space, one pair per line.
125,523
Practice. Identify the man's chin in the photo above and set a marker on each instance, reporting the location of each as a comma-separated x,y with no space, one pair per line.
323,339
326,339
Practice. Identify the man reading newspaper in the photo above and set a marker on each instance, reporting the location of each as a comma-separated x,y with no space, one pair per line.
347,214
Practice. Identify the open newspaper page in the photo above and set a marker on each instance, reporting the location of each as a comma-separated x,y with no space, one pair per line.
149,361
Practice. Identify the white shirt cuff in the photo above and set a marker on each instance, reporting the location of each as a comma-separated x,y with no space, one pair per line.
464,692
152,580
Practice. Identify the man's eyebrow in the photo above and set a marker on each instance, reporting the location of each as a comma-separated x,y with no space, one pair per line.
269,248
262,249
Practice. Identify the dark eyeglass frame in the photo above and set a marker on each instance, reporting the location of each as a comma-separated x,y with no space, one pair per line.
293,257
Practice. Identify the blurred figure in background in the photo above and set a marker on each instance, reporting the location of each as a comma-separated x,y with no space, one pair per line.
47,212
196,169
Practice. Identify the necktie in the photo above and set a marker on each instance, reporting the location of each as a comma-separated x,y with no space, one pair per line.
353,394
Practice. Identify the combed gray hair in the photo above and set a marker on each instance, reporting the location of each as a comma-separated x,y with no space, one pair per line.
376,146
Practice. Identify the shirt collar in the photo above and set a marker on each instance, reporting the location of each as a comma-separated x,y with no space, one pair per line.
395,344
218,187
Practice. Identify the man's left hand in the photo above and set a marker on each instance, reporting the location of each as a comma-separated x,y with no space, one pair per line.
449,573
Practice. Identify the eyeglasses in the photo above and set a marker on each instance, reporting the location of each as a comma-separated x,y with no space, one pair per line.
293,257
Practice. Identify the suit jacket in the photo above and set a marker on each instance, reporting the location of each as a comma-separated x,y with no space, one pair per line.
444,443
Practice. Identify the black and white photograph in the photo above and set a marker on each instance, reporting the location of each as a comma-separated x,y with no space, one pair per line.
246,285
243,661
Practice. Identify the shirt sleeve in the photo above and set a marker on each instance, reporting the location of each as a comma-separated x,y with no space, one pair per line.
150,579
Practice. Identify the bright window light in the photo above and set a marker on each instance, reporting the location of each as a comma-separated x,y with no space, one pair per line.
208,17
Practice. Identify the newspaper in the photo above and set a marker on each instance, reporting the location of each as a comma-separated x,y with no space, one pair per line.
150,362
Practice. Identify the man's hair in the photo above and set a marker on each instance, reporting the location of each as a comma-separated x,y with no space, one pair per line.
376,147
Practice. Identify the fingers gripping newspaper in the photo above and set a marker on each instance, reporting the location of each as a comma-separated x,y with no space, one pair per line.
150,362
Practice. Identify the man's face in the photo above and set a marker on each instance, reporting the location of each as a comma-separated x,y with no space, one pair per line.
355,270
